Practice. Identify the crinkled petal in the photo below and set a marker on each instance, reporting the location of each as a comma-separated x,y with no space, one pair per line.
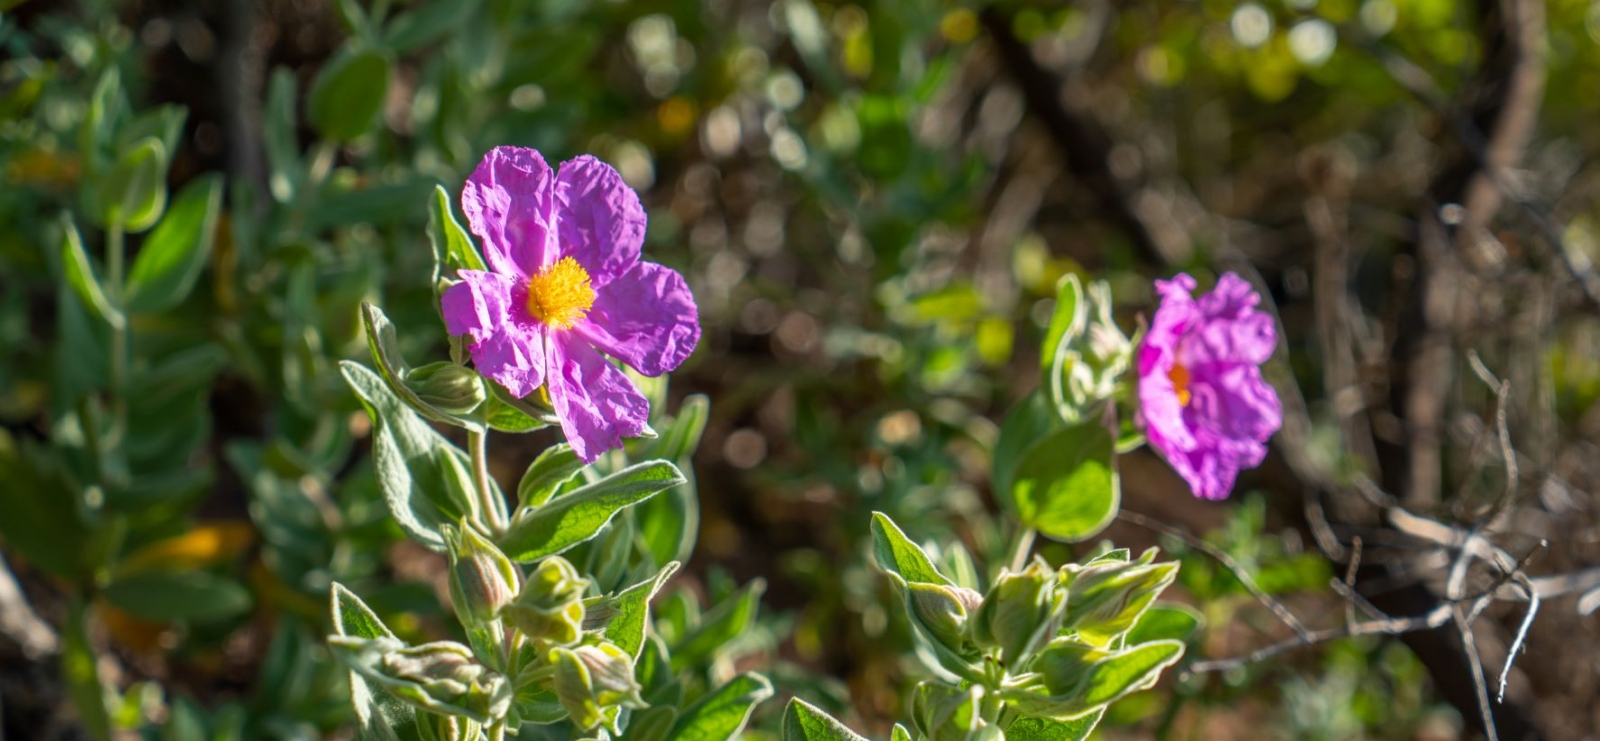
1213,465
483,308
601,220
1172,320
477,306
596,402
1234,400
646,318
1163,415
509,202
1230,328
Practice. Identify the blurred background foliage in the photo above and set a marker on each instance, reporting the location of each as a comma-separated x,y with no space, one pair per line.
873,203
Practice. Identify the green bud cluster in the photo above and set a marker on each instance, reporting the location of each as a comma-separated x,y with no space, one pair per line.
1043,642
549,610
594,682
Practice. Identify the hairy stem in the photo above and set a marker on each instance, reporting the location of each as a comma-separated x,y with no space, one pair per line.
119,335
478,443
1022,548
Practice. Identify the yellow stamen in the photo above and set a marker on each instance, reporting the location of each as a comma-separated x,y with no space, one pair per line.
560,295
1180,382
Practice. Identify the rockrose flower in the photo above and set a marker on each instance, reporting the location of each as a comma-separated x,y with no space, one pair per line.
564,284
1205,406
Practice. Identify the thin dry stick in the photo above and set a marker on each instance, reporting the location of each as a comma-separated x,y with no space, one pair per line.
1244,578
1473,660
1502,390
1516,644
1350,579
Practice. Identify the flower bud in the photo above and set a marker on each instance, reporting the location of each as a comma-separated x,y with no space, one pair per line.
441,676
435,727
943,612
482,579
1021,612
943,713
1107,597
446,386
549,609
593,682
1065,664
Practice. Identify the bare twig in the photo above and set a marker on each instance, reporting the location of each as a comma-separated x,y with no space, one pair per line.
1473,660
1350,579
1227,561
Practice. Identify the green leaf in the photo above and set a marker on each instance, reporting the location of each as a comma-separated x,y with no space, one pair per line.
898,555
80,670
451,244
1129,671
80,275
724,623
424,477
653,724
39,518
385,347
722,714
1066,323
163,596
100,120
171,258
803,721
1166,621
669,524
379,714
1044,729
348,93
899,733
135,190
1066,486
554,467
628,612
577,516
433,21
352,617
1029,422
280,140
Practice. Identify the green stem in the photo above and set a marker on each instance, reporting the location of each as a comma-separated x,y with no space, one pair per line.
119,335
1022,548
497,731
478,443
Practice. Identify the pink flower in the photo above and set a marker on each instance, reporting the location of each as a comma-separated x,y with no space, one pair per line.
1205,406
564,283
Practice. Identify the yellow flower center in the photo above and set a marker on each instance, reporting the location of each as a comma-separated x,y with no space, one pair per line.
1180,382
560,295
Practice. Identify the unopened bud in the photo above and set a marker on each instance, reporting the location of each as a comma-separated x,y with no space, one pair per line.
593,682
446,386
435,727
1021,612
549,608
482,579
944,713
943,612
1106,598
1065,664
441,676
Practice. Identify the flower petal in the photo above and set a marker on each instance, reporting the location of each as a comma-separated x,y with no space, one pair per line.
481,307
1233,400
597,404
601,219
646,318
1230,328
509,204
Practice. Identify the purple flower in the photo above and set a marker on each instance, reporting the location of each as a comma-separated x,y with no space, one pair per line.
564,283
1205,406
